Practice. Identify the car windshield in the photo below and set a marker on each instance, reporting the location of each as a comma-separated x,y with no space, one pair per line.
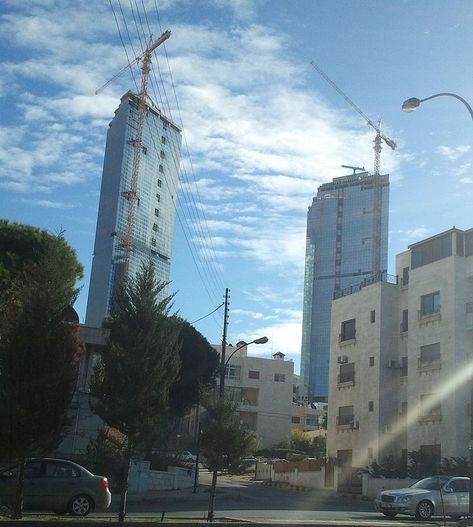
429,483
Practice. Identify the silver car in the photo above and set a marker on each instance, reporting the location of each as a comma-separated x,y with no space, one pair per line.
56,485
435,495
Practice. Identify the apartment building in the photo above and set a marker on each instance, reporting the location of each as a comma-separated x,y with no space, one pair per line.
263,390
401,357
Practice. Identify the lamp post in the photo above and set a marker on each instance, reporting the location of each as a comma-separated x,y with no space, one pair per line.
261,340
411,105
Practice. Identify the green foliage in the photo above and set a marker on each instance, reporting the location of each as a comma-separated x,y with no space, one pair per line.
391,467
198,364
223,441
140,360
422,464
107,454
39,350
455,466
319,446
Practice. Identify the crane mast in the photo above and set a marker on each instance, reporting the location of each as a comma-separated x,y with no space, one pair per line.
377,188
131,194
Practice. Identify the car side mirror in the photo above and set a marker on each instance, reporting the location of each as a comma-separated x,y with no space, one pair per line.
448,490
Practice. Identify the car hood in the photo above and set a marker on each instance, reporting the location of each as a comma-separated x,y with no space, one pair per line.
408,491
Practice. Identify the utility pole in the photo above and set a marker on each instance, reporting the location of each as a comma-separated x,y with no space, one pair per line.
224,343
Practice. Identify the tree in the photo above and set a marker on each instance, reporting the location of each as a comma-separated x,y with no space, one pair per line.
139,363
223,441
39,348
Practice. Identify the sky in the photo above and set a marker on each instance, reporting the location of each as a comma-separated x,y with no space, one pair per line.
261,131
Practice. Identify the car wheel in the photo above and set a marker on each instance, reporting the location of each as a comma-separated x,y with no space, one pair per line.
424,511
81,505
390,514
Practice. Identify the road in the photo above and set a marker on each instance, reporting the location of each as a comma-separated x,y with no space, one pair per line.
245,499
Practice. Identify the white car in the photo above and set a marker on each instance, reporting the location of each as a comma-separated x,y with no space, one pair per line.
187,456
432,496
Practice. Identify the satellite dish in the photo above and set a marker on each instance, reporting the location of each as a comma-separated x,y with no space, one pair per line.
313,406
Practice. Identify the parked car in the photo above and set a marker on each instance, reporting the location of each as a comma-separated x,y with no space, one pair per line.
56,485
432,496
248,460
187,456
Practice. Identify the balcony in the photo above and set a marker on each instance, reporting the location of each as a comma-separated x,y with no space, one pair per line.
428,365
346,422
431,315
347,339
345,380
435,416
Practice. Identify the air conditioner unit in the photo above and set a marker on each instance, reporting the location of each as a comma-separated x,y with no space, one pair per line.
342,359
394,364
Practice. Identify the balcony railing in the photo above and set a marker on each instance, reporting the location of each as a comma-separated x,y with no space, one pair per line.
429,364
347,336
372,279
346,420
345,378
427,313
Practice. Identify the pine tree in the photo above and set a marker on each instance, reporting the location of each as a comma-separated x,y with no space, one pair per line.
139,363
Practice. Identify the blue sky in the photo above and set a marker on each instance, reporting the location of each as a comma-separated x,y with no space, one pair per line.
262,130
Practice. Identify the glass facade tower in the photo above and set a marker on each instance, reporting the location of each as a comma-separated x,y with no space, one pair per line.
154,212
339,253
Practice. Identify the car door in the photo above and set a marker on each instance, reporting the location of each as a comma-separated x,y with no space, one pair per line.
454,496
32,490
61,480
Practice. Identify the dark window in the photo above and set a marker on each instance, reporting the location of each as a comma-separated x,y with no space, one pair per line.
153,242
373,316
429,407
430,353
404,367
345,415
279,377
431,251
459,485
161,168
60,470
347,373
156,212
403,410
163,139
296,420
405,320
348,330
405,276
370,406
430,303
158,197
155,227
371,361
370,453
161,154
144,149
160,183
253,374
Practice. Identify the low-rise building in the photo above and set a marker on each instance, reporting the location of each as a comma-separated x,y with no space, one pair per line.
401,358
263,390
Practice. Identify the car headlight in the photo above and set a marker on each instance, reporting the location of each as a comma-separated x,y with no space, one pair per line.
404,499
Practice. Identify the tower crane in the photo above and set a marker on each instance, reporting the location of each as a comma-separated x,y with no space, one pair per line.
126,238
378,142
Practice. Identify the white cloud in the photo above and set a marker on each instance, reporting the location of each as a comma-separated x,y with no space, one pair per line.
466,180
453,153
49,204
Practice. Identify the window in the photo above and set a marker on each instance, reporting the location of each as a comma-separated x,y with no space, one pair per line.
279,377
403,412
155,227
370,453
161,169
347,373
60,470
371,361
253,374
153,242
158,197
161,154
160,183
373,316
430,354
370,406
459,485
405,276
311,420
345,415
430,407
404,367
405,320
348,330
156,212
296,420
163,140
431,251
233,372
430,303
144,150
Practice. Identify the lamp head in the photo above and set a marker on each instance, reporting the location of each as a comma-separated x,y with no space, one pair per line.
261,340
410,104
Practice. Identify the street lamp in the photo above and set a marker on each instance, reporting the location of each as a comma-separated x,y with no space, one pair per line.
413,103
261,340
410,105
